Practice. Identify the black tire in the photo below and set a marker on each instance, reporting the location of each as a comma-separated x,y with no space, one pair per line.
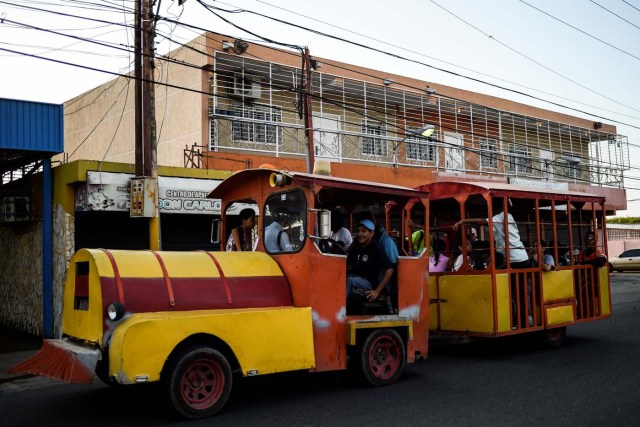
382,357
102,372
553,338
610,268
199,382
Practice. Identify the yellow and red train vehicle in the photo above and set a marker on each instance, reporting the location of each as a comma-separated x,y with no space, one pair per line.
190,320
497,299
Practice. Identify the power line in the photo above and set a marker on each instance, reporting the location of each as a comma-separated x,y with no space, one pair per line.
396,46
631,5
581,31
210,94
533,60
425,64
614,14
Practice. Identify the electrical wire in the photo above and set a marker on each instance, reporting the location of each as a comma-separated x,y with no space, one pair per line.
581,31
393,55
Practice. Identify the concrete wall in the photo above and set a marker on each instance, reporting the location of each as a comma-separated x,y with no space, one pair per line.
21,273
100,124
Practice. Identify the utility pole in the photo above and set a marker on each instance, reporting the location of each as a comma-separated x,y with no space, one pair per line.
144,188
138,88
308,118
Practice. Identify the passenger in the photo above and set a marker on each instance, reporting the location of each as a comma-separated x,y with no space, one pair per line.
438,261
481,254
460,259
338,232
418,242
518,256
548,263
591,254
276,238
564,256
368,267
240,238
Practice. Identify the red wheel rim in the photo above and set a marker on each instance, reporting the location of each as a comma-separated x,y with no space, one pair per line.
384,357
202,384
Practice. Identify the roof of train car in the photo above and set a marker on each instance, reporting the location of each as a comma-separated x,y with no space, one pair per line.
446,189
324,181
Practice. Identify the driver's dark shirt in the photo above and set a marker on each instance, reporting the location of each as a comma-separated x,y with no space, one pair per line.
368,261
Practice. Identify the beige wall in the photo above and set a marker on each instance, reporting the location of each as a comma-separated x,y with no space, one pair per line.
99,124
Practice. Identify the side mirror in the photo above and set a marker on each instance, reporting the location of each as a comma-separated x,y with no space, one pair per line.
323,219
216,225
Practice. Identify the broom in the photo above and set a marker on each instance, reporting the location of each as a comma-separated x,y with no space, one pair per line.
61,360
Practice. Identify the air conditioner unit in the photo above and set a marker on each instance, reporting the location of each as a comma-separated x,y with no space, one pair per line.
15,209
246,86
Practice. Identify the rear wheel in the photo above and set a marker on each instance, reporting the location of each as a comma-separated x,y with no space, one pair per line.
553,338
199,382
383,357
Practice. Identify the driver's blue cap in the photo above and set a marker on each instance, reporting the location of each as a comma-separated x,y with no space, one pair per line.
368,224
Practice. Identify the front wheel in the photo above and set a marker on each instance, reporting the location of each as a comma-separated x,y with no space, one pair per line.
382,357
553,338
199,382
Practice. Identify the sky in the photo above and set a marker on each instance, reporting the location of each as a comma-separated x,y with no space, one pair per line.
581,54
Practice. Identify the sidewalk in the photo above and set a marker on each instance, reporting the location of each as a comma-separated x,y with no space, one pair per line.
14,348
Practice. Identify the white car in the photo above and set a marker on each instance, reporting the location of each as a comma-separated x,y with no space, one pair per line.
627,260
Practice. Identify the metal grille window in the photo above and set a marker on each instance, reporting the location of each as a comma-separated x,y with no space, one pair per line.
569,171
519,159
488,150
371,145
261,129
419,148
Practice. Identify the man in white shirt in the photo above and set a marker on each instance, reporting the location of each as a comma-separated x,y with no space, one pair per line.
518,256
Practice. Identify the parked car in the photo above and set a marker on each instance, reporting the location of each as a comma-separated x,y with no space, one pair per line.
627,260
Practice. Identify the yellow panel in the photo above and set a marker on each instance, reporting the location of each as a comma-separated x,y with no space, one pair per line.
83,324
263,340
605,292
354,326
469,305
504,302
433,307
187,264
557,285
234,264
137,264
560,315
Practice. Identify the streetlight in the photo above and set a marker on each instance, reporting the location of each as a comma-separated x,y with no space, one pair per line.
426,131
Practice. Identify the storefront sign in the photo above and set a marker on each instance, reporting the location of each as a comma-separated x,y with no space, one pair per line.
108,191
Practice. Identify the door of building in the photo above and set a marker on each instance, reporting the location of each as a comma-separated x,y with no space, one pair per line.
326,139
453,153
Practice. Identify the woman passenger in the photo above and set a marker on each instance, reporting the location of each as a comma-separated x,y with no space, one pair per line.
438,261
240,238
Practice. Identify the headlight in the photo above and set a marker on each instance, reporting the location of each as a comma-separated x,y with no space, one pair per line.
115,311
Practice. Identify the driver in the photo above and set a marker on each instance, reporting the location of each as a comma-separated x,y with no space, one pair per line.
369,268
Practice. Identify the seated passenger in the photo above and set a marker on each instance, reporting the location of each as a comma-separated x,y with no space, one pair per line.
276,238
368,267
338,232
591,254
438,261
481,254
548,262
240,238
460,259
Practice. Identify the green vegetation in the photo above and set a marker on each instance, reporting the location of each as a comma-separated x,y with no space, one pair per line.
624,220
